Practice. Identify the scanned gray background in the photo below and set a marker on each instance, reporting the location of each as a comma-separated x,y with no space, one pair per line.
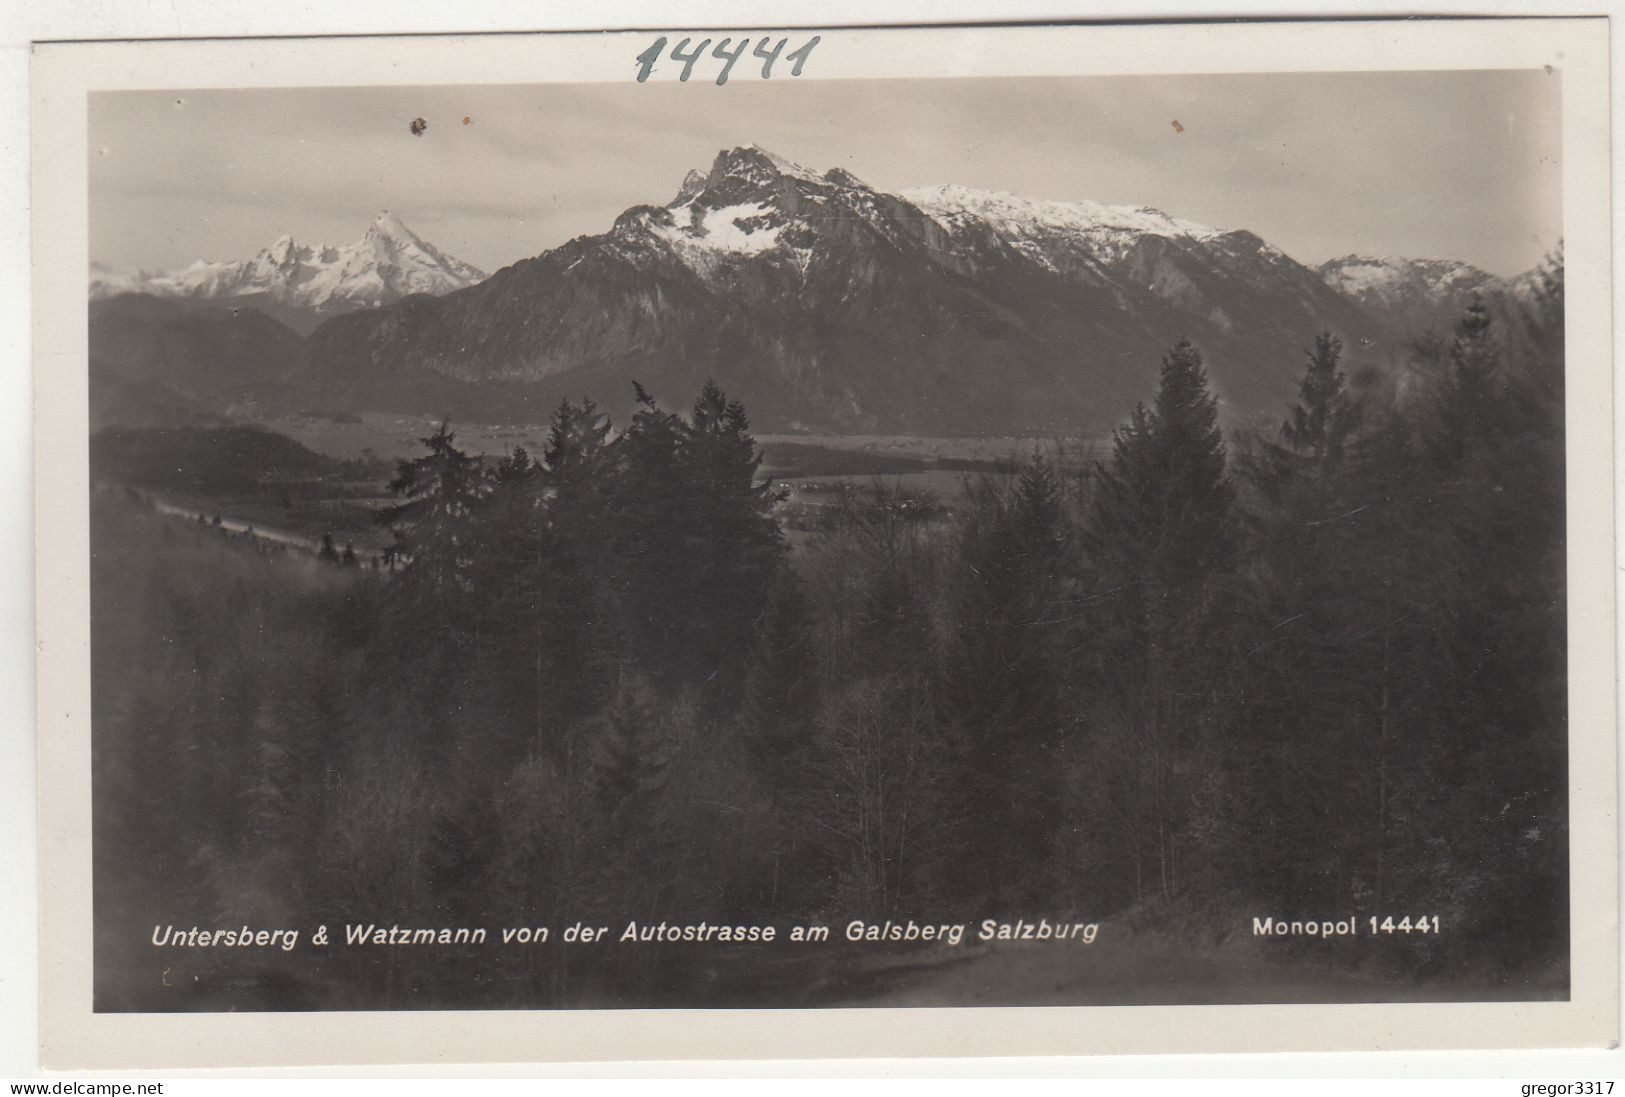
31,19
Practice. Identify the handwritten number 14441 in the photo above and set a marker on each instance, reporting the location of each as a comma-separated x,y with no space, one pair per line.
728,54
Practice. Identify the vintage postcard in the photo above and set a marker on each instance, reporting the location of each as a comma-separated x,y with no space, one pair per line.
792,542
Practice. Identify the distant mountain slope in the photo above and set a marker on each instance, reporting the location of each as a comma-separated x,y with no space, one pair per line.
189,459
829,306
163,362
825,305
1410,295
305,284
117,400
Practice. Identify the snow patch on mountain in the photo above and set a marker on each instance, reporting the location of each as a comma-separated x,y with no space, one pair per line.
1390,278
743,229
1034,226
1015,212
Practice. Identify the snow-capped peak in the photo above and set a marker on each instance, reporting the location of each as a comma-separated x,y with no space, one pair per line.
744,205
389,262
784,166
693,183
280,252
754,166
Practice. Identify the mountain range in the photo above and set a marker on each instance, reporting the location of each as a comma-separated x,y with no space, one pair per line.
302,285
825,305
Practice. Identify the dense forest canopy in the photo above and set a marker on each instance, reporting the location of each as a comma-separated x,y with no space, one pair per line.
1311,668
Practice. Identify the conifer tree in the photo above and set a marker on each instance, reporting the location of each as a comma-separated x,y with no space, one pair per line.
630,759
1469,402
1496,531
694,543
515,467
438,492
1161,522
577,641
1318,430
575,441
1322,658
643,567
1160,548
1009,598
741,547
781,687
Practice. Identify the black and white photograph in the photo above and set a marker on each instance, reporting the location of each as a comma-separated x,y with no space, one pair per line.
724,537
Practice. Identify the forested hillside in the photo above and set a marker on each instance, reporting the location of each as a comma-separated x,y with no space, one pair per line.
1311,670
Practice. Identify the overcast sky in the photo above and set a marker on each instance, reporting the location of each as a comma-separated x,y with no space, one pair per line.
1456,165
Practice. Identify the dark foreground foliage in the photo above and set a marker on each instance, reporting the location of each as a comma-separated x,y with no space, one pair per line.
1316,671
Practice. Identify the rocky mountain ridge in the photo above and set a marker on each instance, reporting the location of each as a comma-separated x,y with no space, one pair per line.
829,306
